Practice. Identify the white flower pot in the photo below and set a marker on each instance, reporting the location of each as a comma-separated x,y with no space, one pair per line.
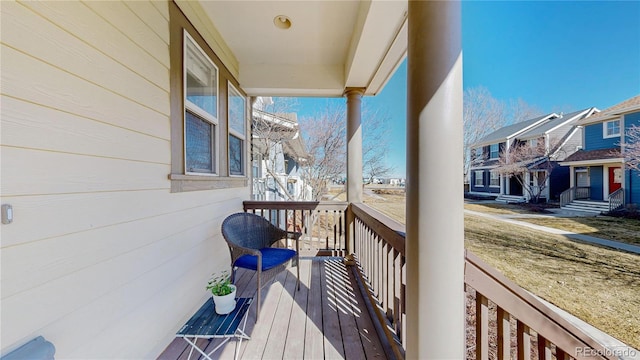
226,303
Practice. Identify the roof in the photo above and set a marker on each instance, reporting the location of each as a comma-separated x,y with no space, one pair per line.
280,128
599,154
553,123
627,106
305,48
511,130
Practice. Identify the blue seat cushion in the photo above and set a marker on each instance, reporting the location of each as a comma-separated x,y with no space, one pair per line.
271,257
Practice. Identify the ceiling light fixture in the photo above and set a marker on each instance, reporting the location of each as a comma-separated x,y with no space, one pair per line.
282,22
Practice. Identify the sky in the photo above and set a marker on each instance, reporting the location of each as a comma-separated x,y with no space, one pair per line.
555,55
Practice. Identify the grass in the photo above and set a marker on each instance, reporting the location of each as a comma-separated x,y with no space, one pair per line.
598,285
605,227
496,209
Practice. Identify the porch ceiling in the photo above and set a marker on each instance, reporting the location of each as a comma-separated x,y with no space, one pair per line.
330,45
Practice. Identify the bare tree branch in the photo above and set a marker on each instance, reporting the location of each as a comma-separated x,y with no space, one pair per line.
631,148
522,157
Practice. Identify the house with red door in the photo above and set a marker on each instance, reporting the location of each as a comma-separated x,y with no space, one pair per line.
598,177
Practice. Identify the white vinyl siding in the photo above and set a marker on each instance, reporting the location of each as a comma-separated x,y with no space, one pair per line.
97,234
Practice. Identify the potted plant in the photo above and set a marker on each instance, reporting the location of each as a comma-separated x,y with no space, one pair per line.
223,291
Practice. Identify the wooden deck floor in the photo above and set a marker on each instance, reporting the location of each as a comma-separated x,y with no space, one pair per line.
325,319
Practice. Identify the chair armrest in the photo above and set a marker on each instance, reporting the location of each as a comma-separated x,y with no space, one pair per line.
293,235
237,251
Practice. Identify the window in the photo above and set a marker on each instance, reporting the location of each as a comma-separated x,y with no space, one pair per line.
582,177
494,151
208,145
611,128
237,125
495,179
200,110
479,178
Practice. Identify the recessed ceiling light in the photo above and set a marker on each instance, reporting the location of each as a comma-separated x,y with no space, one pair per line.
282,22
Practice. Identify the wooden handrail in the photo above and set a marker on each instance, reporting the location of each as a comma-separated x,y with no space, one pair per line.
380,251
322,223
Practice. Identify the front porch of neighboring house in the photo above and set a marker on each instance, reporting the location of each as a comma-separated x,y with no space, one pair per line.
596,186
360,311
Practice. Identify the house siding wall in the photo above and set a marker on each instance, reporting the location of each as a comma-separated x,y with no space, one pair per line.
596,178
571,145
85,161
486,175
559,181
594,140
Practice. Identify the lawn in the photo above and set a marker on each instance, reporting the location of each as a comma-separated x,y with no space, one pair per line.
606,227
598,285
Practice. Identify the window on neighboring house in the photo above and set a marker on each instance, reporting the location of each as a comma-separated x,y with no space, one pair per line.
611,128
237,126
479,178
495,179
200,110
494,151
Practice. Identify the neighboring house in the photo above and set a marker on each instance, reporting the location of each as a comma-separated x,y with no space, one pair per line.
598,171
278,157
557,134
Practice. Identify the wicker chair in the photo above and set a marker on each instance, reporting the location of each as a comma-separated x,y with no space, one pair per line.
250,237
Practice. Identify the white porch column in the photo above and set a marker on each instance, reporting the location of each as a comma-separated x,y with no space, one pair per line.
354,155
435,213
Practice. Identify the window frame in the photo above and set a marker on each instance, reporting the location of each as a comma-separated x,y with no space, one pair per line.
491,178
605,129
475,178
200,113
491,151
182,181
242,136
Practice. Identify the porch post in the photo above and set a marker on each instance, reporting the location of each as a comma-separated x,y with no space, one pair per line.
435,212
354,157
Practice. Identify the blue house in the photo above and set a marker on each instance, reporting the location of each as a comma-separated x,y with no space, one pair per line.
558,133
598,174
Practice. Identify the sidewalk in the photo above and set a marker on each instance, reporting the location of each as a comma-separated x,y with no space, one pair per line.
512,219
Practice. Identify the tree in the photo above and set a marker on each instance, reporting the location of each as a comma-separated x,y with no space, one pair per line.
631,148
481,114
326,139
537,160
325,136
375,139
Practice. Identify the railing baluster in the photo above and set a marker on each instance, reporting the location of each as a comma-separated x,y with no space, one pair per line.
482,327
544,348
504,334
524,341
561,355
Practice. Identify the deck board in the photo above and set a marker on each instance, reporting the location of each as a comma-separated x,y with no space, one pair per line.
325,319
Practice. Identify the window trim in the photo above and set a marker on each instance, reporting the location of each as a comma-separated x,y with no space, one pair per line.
475,178
605,129
199,112
491,179
181,181
491,151
231,91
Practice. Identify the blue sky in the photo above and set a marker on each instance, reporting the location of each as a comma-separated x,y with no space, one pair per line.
558,56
